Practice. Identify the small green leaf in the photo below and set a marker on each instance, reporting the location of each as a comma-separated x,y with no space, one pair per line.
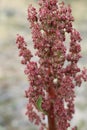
39,104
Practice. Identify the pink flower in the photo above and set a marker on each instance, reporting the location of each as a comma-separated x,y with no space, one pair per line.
24,52
55,75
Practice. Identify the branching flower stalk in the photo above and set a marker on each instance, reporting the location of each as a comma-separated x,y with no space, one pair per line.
53,78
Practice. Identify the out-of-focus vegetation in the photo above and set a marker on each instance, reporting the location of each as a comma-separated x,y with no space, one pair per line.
13,82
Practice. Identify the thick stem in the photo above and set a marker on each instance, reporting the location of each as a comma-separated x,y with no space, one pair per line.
51,116
51,119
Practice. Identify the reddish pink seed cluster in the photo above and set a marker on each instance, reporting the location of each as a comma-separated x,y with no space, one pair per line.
24,52
54,77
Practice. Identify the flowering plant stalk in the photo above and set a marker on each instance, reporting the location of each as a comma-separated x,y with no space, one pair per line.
55,75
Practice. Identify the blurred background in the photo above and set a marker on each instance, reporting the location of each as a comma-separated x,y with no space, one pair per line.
13,82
